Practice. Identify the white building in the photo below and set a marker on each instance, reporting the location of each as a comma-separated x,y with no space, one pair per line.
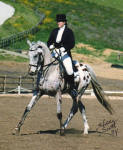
6,11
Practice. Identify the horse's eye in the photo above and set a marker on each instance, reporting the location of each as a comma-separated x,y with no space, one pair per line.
40,47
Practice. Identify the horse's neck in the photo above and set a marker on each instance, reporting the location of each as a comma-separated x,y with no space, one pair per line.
47,56
48,59
53,71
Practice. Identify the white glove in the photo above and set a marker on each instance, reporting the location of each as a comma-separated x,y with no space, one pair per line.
63,52
62,49
51,47
55,53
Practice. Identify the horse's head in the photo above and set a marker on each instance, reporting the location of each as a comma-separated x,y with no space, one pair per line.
35,57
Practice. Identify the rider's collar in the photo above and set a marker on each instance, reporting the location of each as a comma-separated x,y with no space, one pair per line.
62,28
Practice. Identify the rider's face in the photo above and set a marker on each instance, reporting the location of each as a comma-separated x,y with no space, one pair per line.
60,24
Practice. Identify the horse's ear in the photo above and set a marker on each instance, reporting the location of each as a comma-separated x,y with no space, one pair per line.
29,43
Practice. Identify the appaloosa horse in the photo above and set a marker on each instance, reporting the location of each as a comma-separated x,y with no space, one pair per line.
51,81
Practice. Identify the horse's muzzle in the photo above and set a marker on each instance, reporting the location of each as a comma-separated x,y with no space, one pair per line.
32,73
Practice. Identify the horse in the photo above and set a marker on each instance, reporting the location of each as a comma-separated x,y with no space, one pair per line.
51,81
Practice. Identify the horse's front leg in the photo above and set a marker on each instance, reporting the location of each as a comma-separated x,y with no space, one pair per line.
73,111
35,98
59,110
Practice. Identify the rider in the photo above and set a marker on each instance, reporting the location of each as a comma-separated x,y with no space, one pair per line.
62,39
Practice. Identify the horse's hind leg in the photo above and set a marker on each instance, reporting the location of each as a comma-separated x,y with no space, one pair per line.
33,101
82,110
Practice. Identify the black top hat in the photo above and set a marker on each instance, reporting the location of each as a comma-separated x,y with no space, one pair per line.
61,17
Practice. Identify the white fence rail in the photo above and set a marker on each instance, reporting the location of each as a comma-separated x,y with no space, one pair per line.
16,84
21,84
106,92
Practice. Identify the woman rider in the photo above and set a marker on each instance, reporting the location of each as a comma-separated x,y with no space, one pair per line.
62,39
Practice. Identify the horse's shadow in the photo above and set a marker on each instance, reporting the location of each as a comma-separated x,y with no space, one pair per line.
56,131
48,131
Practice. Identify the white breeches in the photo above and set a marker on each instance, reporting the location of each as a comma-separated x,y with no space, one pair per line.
67,62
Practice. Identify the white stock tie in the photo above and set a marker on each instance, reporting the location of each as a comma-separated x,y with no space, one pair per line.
59,35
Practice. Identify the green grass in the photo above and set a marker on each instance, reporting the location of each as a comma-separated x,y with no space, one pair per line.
114,59
23,19
116,4
8,57
95,22
83,51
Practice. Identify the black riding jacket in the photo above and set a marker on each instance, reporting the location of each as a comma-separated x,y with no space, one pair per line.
67,40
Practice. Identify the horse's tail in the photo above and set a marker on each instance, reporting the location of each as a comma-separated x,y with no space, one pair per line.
101,97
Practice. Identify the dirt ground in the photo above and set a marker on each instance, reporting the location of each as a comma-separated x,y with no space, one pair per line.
40,130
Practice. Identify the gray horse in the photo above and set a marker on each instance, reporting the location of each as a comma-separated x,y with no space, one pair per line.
51,81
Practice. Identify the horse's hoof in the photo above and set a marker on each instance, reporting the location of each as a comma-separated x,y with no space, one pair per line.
62,132
85,133
86,130
16,131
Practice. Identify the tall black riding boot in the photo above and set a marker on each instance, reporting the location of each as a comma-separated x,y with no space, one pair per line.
73,90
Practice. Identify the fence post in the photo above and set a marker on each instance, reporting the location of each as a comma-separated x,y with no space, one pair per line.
19,89
33,84
92,93
118,56
4,85
19,86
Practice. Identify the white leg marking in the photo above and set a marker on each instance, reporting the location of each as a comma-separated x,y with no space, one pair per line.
86,126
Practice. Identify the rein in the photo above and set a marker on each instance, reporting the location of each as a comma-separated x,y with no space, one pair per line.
47,65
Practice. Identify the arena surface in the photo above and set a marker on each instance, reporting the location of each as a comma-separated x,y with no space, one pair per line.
40,130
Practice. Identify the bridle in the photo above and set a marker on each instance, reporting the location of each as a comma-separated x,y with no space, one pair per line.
39,63
44,68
